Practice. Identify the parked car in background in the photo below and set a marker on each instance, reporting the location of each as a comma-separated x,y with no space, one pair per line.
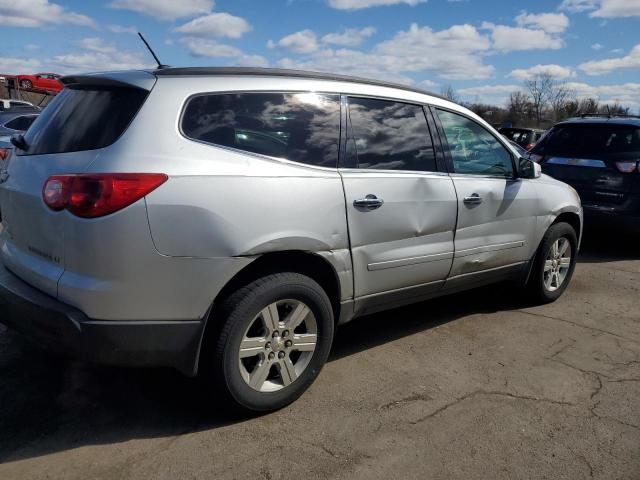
234,244
599,156
7,104
14,123
520,149
40,82
525,137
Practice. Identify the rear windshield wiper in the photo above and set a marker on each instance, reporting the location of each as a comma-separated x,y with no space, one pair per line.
18,141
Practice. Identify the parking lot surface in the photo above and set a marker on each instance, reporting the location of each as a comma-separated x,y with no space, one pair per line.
477,385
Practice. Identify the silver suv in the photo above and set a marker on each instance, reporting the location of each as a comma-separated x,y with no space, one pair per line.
224,221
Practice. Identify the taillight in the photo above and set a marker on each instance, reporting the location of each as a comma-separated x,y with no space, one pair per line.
99,194
529,146
627,166
4,153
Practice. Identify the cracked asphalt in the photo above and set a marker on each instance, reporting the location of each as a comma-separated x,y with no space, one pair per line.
477,385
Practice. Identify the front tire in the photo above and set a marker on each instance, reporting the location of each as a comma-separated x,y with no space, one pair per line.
554,264
275,337
26,84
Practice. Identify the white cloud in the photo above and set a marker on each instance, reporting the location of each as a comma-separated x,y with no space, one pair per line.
604,8
14,66
97,56
304,41
627,94
455,53
547,22
351,37
601,67
166,9
597,46
216,25
556,71
37,13
121,29
358,4
510,39
490,94
200,47
575,6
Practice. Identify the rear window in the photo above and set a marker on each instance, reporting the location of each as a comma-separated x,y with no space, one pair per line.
518,136
83,119
301,127
590,140
20,123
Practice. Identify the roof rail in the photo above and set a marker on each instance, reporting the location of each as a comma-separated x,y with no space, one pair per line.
608,115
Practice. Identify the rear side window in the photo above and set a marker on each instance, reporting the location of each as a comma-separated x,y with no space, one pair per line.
389,135
301,127
586,140
83,119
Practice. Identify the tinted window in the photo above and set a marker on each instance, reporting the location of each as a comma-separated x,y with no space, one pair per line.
302,127
20,123
83,119
473,149
590,140
390,136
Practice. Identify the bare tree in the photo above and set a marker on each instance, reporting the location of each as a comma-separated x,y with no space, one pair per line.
560,95
589,105
540,91
518,105
449,93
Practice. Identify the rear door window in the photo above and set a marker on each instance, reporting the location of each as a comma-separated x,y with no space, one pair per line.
83,119
301,127
388,135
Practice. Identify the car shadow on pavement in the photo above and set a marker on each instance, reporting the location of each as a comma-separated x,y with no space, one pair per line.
602,243
49,404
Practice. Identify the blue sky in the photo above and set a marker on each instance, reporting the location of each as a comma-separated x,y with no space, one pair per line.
483,48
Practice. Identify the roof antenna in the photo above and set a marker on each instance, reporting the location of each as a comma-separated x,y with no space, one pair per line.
155,57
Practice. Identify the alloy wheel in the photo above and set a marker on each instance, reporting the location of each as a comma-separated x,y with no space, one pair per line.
557,264
278,345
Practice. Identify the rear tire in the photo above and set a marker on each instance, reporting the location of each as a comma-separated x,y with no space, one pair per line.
554,264
275,337
26,84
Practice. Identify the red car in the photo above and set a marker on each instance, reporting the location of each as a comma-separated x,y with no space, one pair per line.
40,82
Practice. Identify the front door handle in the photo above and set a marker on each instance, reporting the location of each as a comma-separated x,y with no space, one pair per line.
473,199
370,202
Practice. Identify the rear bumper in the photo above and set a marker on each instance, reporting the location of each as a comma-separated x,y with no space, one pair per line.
61,328
626,214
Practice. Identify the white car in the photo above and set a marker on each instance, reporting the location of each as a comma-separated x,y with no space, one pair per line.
225,220
10,104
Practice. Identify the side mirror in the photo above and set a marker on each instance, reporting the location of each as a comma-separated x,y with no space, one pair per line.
529,168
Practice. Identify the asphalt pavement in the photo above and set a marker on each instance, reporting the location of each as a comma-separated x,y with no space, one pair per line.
479,385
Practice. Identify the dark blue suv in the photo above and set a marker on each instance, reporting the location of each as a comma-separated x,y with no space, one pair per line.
599,156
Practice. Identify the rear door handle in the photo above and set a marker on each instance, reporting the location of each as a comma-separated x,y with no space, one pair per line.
473,199
370,202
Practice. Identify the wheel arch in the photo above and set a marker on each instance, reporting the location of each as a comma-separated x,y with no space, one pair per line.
311,264
570,217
